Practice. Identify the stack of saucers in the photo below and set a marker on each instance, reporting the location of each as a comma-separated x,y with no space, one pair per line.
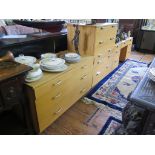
35,74
152,74
72,57
53,64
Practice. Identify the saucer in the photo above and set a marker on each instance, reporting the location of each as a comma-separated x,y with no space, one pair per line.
34,79
63,68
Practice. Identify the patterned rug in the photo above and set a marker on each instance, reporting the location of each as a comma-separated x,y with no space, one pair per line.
111,93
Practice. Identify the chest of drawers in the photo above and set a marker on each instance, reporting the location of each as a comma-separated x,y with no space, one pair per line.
98,41
56,92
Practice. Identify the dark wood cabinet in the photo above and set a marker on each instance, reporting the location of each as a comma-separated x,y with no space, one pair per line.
13,107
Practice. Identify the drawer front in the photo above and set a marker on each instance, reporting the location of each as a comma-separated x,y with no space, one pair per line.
129,41
60,97
99,46
47,112
106,34
115,62
52,87
101,70
104,51
116,53
99,62
129,48
49,108
57,84
98,75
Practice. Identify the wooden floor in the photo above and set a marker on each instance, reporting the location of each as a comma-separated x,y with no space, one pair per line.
78,119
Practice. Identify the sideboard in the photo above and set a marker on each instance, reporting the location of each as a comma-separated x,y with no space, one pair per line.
54,93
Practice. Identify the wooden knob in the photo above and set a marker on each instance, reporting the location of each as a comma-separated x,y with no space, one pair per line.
101,42
111,38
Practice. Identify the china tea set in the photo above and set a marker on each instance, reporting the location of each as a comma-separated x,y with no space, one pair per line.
49,63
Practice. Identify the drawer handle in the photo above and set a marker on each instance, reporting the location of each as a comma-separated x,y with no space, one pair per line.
83,67
112,38
101,42
58,83
57,96
109,50
83,77
98,73
108,56
99,62
60,109
102,28
83,90
100,55
113,26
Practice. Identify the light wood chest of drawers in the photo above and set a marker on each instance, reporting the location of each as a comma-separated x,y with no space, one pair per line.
56,92
99,41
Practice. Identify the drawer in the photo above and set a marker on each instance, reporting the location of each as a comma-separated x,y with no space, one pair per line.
49,108
98,75
52,104
47,112
113,29
101,61
129,41
104,45
116,53
55,85
100,71
106,34
115,63
104,51
129,47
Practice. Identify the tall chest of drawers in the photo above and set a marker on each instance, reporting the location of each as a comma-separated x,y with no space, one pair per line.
99,41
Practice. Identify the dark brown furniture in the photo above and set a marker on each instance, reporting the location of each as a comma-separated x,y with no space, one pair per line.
50,26
14,112
35,45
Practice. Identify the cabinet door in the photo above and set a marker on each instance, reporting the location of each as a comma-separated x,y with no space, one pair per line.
1,105
11,92
148,41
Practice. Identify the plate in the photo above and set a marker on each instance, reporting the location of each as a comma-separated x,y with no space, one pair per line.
48,55
72,61
71,55
27,60
56,70
52,63
34,79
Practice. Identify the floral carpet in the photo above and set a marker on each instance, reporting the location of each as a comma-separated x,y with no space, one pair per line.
111,93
